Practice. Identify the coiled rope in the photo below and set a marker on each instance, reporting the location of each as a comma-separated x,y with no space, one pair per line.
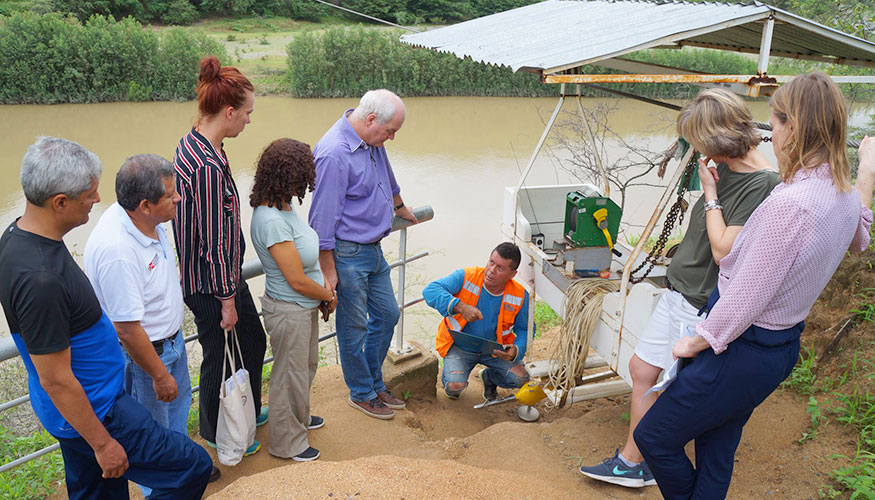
568,349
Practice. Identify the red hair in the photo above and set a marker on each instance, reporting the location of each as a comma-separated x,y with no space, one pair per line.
219,86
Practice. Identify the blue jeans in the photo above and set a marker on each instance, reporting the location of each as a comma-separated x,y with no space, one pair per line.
167,461
366,316
711,400
458,365
138,384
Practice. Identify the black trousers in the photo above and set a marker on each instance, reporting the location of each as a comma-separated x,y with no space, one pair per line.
207,311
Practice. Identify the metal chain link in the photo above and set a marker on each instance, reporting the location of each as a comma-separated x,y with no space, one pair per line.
676,211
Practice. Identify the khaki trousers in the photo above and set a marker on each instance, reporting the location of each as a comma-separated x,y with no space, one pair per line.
294,339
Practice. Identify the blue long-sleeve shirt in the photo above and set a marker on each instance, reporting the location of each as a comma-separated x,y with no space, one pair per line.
439,294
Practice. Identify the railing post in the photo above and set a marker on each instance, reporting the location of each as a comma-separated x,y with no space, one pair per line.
399,347
402,257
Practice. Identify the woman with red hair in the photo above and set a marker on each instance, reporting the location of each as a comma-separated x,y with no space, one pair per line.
209,239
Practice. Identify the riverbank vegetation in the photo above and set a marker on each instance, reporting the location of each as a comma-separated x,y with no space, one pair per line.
52,59
185,12
303,49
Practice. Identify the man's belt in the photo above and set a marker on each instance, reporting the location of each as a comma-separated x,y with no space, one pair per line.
158,345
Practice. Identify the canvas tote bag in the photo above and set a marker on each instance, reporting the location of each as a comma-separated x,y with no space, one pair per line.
235,431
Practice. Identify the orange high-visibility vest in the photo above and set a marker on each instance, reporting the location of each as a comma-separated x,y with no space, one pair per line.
511,304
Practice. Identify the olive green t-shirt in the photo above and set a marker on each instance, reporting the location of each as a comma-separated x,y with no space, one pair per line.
693,271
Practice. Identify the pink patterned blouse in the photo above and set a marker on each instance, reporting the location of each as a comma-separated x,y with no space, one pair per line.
784,256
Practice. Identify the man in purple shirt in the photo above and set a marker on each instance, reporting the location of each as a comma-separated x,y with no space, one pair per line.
353,205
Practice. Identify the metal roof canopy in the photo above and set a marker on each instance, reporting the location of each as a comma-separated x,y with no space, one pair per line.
556,37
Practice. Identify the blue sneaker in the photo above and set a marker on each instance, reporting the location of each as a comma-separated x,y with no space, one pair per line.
614,471
252,450
649,480
261,419
315,422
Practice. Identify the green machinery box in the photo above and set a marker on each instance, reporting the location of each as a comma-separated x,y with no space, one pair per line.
581,228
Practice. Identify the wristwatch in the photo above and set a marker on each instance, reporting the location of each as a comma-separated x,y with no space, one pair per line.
399,206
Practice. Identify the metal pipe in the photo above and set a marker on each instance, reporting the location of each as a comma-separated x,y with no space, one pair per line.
745,79
408,260
595,152
27,458
402,254
7,349
15,402
252,268
516,194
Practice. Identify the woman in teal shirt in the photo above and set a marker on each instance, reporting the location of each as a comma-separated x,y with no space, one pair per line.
294,292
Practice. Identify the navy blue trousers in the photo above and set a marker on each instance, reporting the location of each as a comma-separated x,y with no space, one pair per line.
168,462
711,400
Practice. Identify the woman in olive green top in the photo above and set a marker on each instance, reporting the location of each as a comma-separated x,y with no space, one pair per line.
718,125
294,292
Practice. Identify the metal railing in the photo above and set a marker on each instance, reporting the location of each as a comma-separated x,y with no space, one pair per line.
251,269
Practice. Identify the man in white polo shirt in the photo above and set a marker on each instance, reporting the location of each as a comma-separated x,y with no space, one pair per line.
132,268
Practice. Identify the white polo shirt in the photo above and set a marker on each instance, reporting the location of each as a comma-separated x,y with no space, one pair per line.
134,276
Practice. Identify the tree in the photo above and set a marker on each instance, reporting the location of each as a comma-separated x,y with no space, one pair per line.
580,148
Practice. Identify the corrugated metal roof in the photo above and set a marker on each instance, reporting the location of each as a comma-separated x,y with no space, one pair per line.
560,34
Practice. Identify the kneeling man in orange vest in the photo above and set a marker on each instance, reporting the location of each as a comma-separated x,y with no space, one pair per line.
484,303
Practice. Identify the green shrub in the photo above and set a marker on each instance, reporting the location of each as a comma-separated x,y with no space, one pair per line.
50,59
181,13
347,62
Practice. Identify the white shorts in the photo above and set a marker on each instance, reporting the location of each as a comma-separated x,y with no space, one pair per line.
672,318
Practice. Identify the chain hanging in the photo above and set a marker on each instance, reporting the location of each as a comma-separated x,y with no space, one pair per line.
676,212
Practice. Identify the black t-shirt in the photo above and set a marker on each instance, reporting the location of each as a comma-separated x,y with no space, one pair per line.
45,295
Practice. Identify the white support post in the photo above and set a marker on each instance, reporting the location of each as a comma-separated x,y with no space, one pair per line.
766,45
516,195
402,257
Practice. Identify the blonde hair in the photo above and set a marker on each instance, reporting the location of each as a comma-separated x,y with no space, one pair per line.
814,107
717,123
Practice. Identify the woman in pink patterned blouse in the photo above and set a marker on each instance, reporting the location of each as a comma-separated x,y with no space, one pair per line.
779,263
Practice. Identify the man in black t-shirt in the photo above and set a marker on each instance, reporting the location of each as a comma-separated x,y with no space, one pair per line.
70,348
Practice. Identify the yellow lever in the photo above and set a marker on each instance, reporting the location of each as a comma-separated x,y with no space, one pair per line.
601,219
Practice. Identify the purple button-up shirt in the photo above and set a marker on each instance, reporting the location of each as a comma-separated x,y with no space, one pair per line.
354,188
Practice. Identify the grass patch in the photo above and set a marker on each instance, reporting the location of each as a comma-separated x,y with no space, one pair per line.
34,479
802,377
865,309
855,409
858,477
545,318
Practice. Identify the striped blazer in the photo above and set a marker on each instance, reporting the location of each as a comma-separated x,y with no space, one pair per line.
209,237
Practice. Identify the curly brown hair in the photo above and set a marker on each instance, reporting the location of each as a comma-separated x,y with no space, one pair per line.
285,170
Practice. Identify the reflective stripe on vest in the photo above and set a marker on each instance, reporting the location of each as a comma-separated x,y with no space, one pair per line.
516,301
453,323
471,287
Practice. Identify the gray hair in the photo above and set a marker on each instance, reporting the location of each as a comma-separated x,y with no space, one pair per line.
57,166
142,178
381,102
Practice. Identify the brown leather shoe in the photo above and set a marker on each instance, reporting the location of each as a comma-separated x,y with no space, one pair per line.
391,401
373,408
